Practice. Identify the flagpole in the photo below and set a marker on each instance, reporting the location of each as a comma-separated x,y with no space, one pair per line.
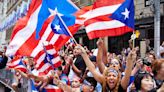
67,28
133,40
48,56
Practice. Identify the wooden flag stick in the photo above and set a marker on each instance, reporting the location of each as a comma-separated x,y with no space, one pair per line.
133,40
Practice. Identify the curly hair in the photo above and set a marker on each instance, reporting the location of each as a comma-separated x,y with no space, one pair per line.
157,65
104,84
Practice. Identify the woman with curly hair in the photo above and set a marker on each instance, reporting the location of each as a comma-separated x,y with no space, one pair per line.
110,80
158,71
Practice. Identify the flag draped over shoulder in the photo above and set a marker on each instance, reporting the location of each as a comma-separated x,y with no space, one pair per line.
23,40
110,18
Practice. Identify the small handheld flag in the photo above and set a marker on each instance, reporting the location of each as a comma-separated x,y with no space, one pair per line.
59,27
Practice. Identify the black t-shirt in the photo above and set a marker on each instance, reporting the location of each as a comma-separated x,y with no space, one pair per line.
80,64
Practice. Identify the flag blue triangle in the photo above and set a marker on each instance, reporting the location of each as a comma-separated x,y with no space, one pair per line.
125,13
59,27
64,7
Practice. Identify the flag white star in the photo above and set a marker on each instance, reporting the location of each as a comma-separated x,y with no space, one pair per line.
126,13
54,12
57,27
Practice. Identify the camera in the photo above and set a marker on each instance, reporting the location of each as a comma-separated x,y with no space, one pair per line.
146,62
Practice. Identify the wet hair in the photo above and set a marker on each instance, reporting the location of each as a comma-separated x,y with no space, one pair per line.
138,78
105,73
157,65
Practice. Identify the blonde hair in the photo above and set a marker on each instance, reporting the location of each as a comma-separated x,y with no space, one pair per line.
104,84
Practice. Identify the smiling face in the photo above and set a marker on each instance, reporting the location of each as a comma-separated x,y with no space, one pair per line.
147,83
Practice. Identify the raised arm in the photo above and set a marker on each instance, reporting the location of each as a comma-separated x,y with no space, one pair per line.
89,64
76,70
129,65
99,58
105,58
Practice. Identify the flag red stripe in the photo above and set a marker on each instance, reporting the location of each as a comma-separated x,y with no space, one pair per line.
96,19
109,32
100,3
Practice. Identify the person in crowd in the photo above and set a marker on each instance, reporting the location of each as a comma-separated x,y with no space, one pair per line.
144,82
89,74
111,77
88,85
3,59
78,66
102,58
162,50
16,83
158,71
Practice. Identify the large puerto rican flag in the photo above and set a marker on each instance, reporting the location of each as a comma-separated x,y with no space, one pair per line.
110,18
32,30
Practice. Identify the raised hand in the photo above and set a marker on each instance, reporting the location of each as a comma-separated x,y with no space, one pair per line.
132,56
100,42
80,49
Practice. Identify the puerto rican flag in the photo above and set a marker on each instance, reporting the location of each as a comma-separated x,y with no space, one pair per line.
37,23
110,18
47,59
17,63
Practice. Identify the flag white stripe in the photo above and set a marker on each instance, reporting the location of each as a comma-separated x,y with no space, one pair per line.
104,25
20,66
100,11
54,38
51,51
16,62
44,67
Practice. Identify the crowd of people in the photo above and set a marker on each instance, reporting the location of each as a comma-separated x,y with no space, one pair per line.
84,71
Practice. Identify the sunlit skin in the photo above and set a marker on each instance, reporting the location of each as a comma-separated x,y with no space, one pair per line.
147,84
112,80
